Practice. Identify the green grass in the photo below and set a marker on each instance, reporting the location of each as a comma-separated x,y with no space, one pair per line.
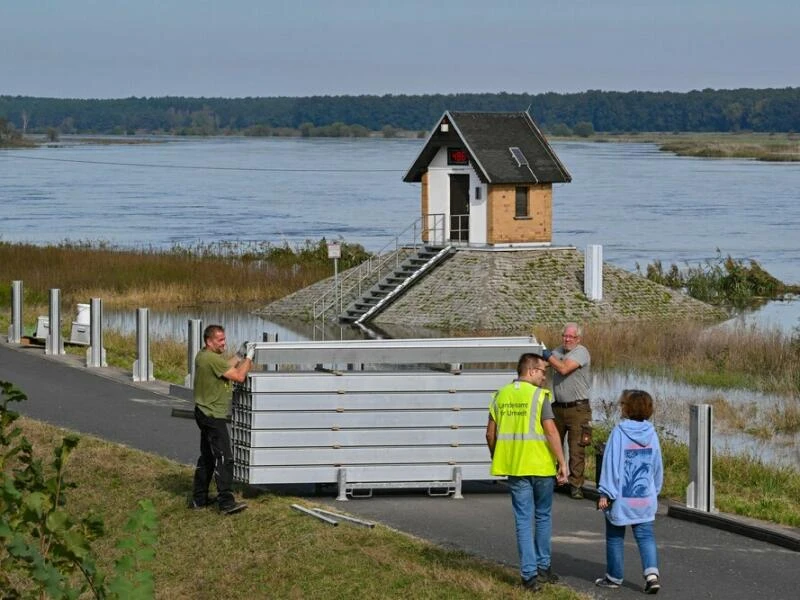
269,550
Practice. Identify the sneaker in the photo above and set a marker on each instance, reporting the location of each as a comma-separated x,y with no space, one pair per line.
651,584
605,582
576,493
232,508
547,575
532,584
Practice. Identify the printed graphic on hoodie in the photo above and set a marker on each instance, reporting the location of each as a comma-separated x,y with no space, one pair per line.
637,473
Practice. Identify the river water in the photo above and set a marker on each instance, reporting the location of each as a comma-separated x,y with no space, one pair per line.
639,203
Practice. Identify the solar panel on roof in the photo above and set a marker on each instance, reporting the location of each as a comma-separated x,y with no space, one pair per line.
518,156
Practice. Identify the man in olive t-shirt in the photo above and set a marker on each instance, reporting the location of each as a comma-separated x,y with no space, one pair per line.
213,375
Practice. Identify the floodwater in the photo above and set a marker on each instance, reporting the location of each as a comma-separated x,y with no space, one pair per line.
640,204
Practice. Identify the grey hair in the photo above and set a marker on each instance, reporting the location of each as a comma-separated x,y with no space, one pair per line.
578,329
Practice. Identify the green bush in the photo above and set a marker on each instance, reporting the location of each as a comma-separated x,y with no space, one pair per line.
722,281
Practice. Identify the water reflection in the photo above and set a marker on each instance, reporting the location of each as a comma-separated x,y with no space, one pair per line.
782,315
240,326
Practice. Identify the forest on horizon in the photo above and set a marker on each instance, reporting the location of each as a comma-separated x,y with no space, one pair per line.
758,110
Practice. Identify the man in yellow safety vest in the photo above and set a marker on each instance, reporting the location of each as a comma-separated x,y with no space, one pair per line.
524,444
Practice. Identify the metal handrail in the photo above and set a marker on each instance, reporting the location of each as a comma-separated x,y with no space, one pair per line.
431,224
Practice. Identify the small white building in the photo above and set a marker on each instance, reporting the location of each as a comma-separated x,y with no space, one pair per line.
487,181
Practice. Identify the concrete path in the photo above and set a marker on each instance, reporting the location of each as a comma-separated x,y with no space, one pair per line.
697,561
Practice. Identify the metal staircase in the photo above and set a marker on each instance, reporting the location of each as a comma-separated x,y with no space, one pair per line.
351,286
397,281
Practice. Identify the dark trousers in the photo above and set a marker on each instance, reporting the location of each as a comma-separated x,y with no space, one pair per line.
216,460
569,422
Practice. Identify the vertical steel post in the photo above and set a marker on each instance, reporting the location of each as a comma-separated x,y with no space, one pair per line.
457,480
96,353
194,345
142,366
15,329
700,492
272,338
53,344
341,480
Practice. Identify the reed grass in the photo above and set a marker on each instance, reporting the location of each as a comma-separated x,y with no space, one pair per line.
269,550
749,358
776,147
243,274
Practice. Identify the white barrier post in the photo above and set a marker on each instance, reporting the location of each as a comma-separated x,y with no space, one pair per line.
700,492
15,329
593,273
53,343
194,345
96,353
142,366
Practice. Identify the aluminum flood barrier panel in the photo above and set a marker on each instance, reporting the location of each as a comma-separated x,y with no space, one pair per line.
398,423
397,352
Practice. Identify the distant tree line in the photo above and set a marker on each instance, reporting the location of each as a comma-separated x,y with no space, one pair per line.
762,110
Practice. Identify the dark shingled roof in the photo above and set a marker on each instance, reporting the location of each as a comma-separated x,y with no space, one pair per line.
488,137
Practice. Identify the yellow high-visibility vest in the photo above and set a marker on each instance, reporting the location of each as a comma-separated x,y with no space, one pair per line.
521,447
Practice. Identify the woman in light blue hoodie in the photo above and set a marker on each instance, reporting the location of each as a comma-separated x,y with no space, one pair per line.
630,482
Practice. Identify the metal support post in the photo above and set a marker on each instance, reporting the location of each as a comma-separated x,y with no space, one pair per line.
15,329
272,338
194,345
700,492
96,353
342,483
142,366
53,343
457,479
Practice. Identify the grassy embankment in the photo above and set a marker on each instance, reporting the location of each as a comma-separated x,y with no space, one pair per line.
778,147
268,551
726,358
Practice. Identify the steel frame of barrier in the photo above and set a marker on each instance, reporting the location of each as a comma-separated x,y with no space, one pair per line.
405,419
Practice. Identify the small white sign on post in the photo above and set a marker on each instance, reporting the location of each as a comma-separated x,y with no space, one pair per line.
335,252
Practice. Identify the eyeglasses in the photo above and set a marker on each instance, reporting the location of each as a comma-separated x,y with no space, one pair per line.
566,336
539,369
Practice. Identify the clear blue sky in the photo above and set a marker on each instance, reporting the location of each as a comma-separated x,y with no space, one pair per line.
236,48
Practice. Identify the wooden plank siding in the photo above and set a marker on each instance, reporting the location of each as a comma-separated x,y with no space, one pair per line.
502,225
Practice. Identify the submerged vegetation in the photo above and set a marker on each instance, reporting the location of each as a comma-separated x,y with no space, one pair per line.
722,282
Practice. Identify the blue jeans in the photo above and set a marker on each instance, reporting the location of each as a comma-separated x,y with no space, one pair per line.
532,499
615,545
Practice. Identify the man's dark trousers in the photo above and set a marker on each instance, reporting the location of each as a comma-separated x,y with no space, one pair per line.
216,460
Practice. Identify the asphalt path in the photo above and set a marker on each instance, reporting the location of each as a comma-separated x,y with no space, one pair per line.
696,561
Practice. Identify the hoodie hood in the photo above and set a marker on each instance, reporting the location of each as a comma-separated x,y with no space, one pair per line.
641,432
